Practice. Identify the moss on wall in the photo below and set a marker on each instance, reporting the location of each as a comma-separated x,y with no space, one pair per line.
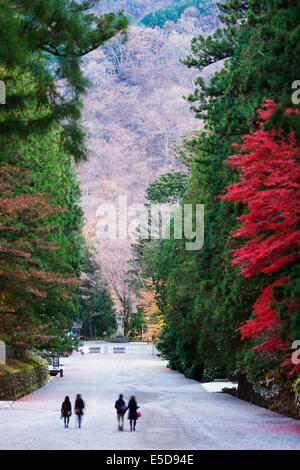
21,377
277,393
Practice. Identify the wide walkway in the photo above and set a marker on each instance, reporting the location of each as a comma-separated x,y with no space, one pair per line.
178,413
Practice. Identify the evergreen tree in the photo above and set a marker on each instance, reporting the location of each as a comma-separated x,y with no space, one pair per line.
96,306
48,40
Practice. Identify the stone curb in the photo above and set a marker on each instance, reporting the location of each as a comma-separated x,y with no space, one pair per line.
5,404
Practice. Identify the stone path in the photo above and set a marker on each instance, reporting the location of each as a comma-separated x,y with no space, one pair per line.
178,413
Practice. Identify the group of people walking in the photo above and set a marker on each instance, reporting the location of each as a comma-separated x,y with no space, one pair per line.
120,405
132,408
66,410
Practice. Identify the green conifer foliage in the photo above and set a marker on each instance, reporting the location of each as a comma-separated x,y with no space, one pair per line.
48,39
202,295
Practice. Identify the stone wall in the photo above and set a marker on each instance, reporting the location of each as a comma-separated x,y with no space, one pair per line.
21,377
275,394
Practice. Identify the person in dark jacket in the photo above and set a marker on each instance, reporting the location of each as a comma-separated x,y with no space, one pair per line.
121,408
132,414
66,411
79,405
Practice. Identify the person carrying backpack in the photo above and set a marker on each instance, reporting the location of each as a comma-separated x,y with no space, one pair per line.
121,408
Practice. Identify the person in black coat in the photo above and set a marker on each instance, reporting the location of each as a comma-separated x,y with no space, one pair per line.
79,405
121,408
132,414
66,411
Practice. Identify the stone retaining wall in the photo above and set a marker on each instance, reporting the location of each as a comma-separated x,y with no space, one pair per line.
276,395
19,378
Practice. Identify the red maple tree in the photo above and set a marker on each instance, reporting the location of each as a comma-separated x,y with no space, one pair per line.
24,225
269,187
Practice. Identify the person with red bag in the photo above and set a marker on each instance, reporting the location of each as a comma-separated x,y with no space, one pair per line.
133,414
79,405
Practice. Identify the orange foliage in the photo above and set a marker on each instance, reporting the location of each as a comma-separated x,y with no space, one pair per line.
151,312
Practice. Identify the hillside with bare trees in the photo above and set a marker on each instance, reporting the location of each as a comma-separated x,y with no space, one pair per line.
135,111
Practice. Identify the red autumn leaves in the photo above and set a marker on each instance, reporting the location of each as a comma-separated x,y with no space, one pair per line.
269,186
24,229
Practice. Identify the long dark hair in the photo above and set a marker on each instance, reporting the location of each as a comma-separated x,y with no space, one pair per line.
67,400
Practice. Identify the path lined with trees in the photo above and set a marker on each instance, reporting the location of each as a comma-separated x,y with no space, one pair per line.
233,306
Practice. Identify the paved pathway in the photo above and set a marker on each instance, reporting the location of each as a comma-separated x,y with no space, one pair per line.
178,413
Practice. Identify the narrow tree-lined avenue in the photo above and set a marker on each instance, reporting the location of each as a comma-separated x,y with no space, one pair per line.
149,198
177,413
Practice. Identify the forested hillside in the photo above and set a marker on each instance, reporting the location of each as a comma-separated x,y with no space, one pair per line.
205,10
137,10
134,113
